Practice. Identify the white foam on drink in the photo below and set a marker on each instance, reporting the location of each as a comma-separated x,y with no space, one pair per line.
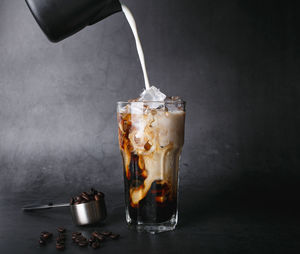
139,48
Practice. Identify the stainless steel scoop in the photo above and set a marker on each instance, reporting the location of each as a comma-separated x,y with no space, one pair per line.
88,213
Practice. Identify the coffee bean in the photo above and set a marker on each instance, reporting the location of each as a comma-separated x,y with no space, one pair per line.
78,239
101,238
95,233
97,197
46,235
85,196
75,235
78,199
98,236
95,245
114,236
60,246
42,241
83,243
61,229
106,233
92,239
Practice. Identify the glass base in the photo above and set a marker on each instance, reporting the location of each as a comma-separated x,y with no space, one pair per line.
153,228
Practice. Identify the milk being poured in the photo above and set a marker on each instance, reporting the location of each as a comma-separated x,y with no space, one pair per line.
139,48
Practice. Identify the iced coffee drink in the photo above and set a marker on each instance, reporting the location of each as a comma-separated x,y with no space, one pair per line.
151,136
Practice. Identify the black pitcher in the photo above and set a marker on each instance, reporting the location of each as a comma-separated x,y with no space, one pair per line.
62,18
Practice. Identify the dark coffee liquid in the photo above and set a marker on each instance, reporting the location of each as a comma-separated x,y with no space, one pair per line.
157,206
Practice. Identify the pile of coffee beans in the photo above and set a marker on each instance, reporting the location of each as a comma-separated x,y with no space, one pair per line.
85,197
95,240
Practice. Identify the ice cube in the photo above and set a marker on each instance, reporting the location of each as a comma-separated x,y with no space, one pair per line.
137,108
172,107
174,104
123,109
155,105
152,94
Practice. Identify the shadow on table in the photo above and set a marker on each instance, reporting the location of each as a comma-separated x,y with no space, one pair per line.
245,195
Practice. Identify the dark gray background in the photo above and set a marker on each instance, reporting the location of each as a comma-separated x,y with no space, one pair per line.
236,63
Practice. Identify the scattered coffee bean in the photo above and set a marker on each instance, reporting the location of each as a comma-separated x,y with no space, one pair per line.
42,241
46,235
114,236
95,245
95,234
80,238
99,236
75,235
83,243
106,233
61,229
77,240
92,239
60,246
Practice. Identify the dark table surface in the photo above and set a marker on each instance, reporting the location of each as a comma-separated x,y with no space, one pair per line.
206,225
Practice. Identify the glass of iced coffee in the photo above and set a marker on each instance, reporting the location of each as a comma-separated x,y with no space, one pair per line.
151,136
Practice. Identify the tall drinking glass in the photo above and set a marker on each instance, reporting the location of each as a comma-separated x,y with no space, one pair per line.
151,136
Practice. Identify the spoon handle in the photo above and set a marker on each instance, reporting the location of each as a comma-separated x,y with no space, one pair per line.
49,206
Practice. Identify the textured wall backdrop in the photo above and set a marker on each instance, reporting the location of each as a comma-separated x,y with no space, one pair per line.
236,63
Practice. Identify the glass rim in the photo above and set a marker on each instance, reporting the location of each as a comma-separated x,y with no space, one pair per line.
165,102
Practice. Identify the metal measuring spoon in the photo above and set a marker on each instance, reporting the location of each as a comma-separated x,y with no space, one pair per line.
87,213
